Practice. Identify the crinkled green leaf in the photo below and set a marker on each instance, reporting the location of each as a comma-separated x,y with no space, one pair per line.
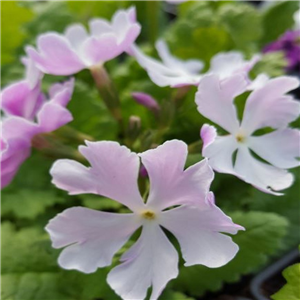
272,64
277,19
32,286
262,238
243,22
13,17
291,290
286,205
30,270
27,203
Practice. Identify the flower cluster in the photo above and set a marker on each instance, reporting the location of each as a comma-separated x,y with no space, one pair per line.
28,113
257,148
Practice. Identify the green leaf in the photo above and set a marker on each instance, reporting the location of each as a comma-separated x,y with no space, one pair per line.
171,295
286,205
94,119
290,290
30,270
243,22
100,203
277,19
103,9
27,203
262,238
13,17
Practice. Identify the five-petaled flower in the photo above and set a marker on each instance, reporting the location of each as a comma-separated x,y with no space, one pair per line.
75,50
27,113
267,106
174,72
92,237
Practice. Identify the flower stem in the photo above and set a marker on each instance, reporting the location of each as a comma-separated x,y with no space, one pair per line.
152,19
107,92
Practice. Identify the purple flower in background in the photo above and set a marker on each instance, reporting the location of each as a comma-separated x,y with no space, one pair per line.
289,43
267,106
91,238
75,50
27,113
174,72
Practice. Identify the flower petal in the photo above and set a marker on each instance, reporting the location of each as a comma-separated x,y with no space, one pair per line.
218,149
169,183
116,170
228,63
54,114
152,260
215,99
192,66
71,176
280,148
198,232
19,99
76,34
268,106
92,237
55,55
265,177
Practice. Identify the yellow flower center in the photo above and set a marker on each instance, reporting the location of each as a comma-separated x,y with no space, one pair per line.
148,214
240,138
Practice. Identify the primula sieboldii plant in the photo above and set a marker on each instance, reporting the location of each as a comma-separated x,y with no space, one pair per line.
28,113
177,204
179,201
267,106
75,50
174,72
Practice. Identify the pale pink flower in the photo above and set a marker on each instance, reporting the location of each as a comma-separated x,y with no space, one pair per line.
28,113
91,238
267,106
174,72
75,50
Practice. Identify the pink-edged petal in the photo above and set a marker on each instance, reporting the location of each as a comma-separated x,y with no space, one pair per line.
16,127
98,50
218,149
55,55
151,261
76,34
265,177
170,184
99,27
33,74
173,79
61,93
20,100
53,116
116,169
125,26
215,99
73,177
280,148
191,66
269,106
258,82
16,151
92,237
229,63
198,232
